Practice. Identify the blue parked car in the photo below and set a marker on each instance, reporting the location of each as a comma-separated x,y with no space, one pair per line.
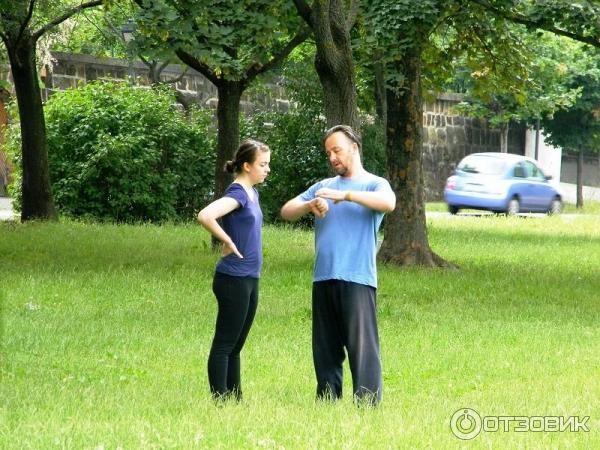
501,182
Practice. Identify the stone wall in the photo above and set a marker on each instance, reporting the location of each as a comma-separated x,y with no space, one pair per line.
448,137
70,70
590,172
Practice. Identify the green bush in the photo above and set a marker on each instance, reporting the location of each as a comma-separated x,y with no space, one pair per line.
126,154
12,149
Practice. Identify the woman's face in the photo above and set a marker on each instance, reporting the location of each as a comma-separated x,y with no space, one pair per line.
259,169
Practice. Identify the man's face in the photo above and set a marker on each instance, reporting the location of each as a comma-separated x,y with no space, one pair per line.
341,152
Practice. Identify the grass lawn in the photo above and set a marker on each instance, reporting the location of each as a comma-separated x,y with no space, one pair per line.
589,207
105,332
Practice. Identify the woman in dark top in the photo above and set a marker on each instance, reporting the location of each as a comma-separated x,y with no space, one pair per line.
235,282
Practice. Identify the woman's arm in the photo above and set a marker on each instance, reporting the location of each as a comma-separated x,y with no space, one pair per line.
208,219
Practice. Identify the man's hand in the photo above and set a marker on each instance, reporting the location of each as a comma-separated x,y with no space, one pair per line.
332,194
229,248
318,207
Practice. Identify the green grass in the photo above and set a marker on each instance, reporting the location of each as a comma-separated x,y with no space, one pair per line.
436,207
106,330
589,207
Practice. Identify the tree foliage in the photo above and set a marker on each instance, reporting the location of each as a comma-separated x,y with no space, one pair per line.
225,40
534,90
575,19
577,127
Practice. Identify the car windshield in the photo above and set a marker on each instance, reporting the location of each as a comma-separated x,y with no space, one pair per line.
487,165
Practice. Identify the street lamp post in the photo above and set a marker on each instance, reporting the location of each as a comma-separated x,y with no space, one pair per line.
128,31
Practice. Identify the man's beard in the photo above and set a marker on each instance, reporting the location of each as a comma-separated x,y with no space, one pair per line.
341,170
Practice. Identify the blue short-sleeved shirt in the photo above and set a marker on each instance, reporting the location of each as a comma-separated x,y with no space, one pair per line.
346,239
244,227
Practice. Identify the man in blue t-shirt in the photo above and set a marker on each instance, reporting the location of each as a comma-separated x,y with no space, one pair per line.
348,211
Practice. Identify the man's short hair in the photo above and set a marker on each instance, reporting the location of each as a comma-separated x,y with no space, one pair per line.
348,131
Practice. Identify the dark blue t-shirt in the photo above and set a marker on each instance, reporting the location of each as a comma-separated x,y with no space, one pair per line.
244,227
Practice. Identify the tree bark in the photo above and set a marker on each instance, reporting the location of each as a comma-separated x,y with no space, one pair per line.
228,116
580,179
334,63
380,95
504,137
406,242
37,202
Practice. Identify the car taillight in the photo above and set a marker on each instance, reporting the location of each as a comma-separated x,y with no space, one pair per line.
451,183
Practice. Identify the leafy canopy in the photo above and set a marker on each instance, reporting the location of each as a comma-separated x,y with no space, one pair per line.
228,36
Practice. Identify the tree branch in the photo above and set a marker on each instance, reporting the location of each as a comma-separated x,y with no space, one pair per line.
159,69
257,69
305,11
231,52
164,65
177,79
337,23
352,14
447,17
192,62
26,21
524,20
116,32
58,20
147,63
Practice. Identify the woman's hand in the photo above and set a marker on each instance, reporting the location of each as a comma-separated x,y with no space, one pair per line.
229,248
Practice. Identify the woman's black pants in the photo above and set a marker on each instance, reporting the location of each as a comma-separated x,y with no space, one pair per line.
237,298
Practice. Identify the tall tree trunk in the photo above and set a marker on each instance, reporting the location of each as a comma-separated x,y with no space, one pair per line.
334,63
228,116
228,137
37,202
406,241
580,179
504,137
339,90
380,95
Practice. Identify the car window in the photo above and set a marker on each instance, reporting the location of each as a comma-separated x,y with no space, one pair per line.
487,165
534,171
520,171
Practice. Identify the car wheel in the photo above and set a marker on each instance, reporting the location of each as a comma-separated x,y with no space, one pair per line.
555,206
513,207
453,209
